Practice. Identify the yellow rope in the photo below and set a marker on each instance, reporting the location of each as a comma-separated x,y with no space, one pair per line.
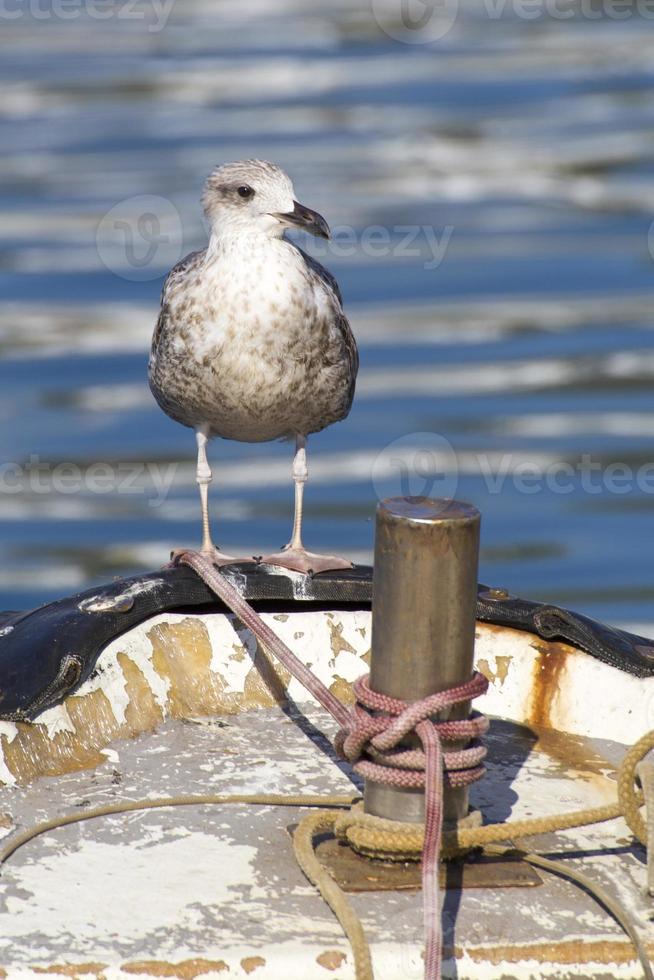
394,841
628,799
309,827
263,799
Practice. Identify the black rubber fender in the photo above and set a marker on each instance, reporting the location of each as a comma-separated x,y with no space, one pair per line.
46,654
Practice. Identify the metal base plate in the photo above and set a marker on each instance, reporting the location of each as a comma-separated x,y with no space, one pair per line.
354,873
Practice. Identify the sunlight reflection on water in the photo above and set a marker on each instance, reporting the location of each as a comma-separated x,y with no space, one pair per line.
526,343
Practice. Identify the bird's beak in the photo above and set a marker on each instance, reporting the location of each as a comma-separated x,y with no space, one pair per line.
307,220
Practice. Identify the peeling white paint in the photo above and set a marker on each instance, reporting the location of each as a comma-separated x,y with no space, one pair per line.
77,882
108,677
333,644
56,720
221,884
9,730
225,641
7,777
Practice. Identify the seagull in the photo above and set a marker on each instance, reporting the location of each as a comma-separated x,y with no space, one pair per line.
252,343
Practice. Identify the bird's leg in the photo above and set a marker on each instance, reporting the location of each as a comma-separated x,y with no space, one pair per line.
295,556
203,478
300,477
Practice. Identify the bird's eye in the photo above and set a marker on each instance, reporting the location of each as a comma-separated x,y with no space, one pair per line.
245,191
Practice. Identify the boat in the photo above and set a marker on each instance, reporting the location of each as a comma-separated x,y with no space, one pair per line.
156,760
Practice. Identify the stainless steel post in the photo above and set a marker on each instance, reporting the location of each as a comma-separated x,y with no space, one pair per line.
423,622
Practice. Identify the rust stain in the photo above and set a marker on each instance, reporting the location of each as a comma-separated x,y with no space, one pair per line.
142,711
6,821
239,653
181,654
577,753
342,689
503,664
331,959
184,970
549,665
572,952
72,970
266,683
252,963
501,672
34,753
336,641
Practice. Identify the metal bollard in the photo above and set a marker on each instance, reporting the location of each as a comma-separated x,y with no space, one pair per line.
423,623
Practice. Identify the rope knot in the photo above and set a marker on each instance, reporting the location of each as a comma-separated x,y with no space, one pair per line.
378,725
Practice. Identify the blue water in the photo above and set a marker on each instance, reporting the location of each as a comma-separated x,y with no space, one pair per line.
527,148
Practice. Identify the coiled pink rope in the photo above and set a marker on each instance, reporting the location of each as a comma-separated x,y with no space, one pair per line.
371,742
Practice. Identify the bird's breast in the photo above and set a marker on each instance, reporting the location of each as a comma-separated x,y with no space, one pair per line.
253,354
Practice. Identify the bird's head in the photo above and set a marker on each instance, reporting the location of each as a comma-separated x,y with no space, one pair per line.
254,196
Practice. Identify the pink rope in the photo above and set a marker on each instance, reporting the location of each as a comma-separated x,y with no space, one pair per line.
372,742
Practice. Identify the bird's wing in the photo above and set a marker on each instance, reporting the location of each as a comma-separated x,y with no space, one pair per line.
322,273
175,275
333,293
178,272
352,354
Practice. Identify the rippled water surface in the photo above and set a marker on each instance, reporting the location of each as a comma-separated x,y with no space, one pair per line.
508,346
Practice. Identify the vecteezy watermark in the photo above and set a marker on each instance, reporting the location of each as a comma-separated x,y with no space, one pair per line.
422,464
41,478
416,21
379,241
425,464
153,13
532,10
586,475
427,21
140,238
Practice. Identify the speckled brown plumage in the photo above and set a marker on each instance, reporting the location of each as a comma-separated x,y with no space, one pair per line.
252,342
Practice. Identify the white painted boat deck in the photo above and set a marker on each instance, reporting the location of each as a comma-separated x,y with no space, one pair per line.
215,891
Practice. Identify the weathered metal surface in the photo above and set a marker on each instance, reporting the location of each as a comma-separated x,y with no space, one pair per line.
215,892
359,874
423,624
177,666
